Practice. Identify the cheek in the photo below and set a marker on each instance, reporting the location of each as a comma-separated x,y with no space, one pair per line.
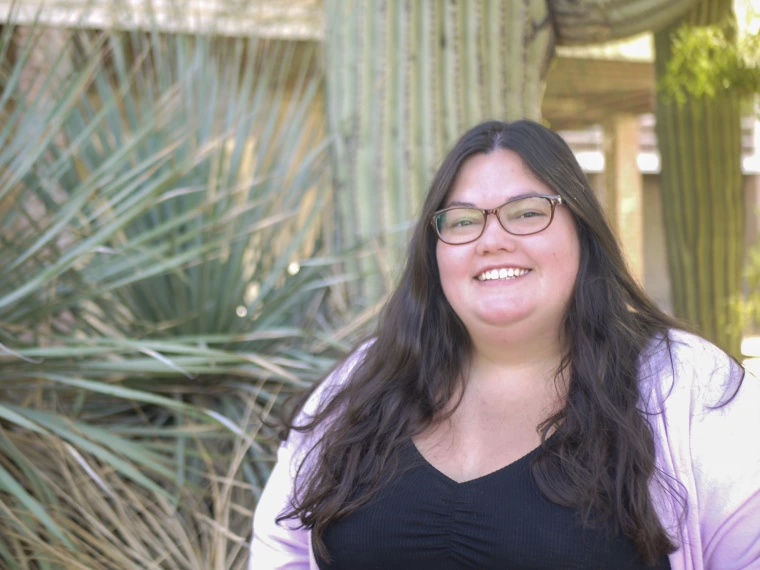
569,256
451,268
569,262
443,258
565,261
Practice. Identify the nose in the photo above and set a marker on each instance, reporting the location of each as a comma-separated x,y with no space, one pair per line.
495,237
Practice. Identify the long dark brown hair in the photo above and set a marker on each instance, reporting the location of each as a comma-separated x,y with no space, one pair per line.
600,459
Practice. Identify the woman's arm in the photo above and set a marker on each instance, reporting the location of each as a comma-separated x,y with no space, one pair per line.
286,545
709,444
708,453
726,465
278,545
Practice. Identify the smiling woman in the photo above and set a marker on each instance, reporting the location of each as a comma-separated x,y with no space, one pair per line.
522,403
545,254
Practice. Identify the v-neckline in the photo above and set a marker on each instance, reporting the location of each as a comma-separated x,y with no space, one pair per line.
430,467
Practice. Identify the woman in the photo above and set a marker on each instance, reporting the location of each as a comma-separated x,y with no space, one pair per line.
522,404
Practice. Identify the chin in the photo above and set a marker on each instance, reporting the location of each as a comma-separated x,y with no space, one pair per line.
505,319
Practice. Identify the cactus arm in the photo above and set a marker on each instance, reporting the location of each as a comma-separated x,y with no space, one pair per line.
594,21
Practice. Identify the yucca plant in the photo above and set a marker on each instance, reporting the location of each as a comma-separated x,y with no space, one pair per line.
160,200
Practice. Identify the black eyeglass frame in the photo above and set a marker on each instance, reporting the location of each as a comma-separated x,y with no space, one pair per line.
553,200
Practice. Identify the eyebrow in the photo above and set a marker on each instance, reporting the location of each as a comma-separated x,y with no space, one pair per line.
456,203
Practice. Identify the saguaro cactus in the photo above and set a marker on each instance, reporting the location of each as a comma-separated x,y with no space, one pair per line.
405,77
403,80
701,187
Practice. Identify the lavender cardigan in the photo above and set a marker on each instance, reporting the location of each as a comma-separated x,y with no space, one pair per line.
713,453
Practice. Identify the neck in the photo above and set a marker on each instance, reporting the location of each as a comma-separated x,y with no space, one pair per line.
521,358
517,347
513,382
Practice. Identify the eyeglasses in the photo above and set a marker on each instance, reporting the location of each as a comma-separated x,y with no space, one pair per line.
521,217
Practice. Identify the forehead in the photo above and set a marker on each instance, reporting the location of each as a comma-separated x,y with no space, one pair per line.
492,179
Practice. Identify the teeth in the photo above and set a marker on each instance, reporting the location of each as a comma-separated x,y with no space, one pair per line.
502,273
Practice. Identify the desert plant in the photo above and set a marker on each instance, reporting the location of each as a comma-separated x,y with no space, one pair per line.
699,138
160,203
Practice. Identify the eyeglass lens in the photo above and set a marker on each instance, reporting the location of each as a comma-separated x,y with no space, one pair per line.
524,216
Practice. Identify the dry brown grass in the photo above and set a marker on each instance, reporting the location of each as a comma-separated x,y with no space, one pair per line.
114,523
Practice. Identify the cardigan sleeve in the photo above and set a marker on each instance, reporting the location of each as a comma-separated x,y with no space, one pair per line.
707,437
287,545
281,545
708,428
725,446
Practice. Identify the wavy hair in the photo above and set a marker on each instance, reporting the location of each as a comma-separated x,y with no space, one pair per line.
601,456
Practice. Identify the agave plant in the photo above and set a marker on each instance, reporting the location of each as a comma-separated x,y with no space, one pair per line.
160,200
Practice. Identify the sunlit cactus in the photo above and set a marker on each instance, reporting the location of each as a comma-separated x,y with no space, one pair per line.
404,79
701,186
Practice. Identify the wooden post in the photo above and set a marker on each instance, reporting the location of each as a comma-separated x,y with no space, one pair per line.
624,188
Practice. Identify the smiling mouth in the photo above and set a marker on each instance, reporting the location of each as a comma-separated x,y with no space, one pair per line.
503,273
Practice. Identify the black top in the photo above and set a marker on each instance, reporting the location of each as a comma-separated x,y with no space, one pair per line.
423,520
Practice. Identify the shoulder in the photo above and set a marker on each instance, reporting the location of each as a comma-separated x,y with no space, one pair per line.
335,381
685,350
686,366
697,388
322,395
704,411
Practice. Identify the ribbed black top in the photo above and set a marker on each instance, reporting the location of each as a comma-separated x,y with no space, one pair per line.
424,520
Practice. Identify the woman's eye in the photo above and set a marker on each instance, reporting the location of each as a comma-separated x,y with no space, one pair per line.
530,214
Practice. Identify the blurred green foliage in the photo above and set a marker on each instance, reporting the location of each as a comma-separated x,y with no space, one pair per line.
710,59
161,288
